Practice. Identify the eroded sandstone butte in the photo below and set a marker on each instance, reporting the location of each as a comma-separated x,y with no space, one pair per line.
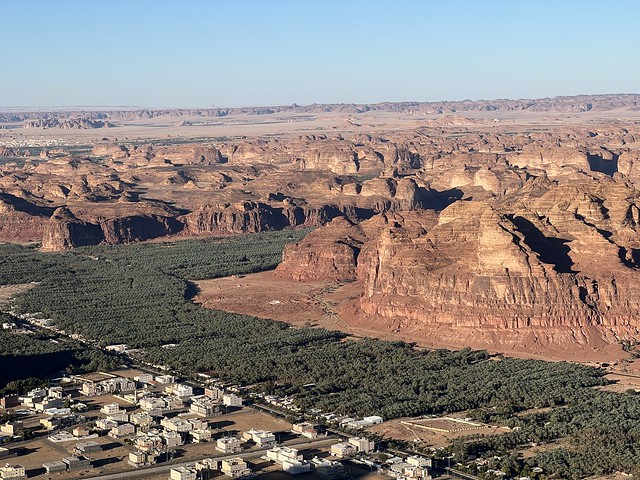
559,260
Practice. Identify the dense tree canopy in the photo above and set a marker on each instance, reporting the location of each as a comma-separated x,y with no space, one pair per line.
140,295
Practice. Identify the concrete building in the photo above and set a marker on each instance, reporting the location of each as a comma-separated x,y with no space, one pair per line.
363,445
144,378
165,379
176,424
80,431
105,424
229,445
205,407
231,400
120,417
122,430
200,435
14,472
141,419
87,447
148,442
183,473
305,429
180,390
328,469
142,459
75,464
110,409
214,393
261,438
291,461
172,439
13,428
235,468
55,467
343,450
9,401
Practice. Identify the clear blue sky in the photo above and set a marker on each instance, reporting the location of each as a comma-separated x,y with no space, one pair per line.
157,53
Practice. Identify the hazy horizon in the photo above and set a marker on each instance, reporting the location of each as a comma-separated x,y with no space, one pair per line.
159,54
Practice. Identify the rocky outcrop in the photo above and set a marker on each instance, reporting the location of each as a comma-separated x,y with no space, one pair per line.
565,259
65,231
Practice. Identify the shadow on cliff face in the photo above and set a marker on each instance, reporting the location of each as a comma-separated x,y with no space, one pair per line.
552,251
22,205
602,165
439,200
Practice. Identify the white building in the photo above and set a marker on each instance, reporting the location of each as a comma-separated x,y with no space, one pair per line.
231,400
363,445
165,379
144,378
180,390
183,473
229,445
328,469
110,408
261,438
305,429
290,460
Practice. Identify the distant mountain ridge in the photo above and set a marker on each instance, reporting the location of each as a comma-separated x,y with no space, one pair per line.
566,104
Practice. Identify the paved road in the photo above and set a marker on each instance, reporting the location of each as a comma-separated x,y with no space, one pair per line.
306,443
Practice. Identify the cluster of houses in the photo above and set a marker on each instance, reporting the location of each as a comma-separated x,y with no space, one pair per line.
167,419
233,468
411,468
352,447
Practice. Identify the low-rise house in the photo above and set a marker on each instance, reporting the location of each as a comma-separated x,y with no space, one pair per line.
363,445
13,428
261,438
328,469
229,445
122,430
291,461
141,419
172,439
51,423
75,464
146,378
9,401
55,467
142,459
235,468
13,472
80,431
200,435
165,379
176,424
205,407
110,409
180,390
120,417
83,448
214,393
105,424
306,429
231,400
343,450
183,473
148,442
